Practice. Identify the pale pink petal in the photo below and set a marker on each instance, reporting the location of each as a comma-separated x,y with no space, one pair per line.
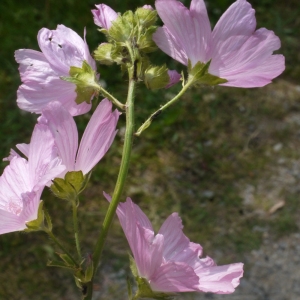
148,7
175,240
202,31
88,56
147,250
174,78
64,131
97,137
41,85
12,154
174,277
24,148
128,207
190,28
31,202
253,65
220,279
104,15
63,48
168,44
10,222
14,181
233,29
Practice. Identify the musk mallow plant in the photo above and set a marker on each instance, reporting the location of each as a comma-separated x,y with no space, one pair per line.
62,81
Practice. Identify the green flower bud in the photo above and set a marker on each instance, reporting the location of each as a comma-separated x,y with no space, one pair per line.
146,17
156,77
103,54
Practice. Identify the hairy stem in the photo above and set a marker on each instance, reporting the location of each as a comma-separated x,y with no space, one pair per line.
120,181
76,231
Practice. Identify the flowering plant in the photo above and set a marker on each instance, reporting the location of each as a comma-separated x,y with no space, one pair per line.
62,81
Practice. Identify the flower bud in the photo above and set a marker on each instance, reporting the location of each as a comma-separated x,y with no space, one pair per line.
156,77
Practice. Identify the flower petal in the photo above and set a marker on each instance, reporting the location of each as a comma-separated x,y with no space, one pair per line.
220,279
42,157
168,44
41,85
10,222
63,48
174,78
190,28
64,131
233,29
104,15
174,277
253,65
97,137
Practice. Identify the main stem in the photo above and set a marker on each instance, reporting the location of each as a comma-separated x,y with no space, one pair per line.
76,231
120,181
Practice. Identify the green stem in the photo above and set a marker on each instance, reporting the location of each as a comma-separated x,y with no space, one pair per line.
119,184
148,122
110,97
57,242
76,231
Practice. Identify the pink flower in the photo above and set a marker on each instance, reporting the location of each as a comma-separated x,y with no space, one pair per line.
174,78
104,15
23,181
41,71
238,53
96,140
168,260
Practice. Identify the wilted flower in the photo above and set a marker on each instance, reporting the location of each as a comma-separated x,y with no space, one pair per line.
23,181
42,72
174,78
238,53
96,140
168,260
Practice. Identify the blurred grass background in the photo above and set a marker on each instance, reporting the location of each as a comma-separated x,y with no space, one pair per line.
221,157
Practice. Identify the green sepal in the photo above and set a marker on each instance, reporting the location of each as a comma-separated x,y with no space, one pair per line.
103,54
146,17
85,80
199,74
133,267
145,41
39,223
89,271
145,291
156,77
71,186
121,28
129,287
68,261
